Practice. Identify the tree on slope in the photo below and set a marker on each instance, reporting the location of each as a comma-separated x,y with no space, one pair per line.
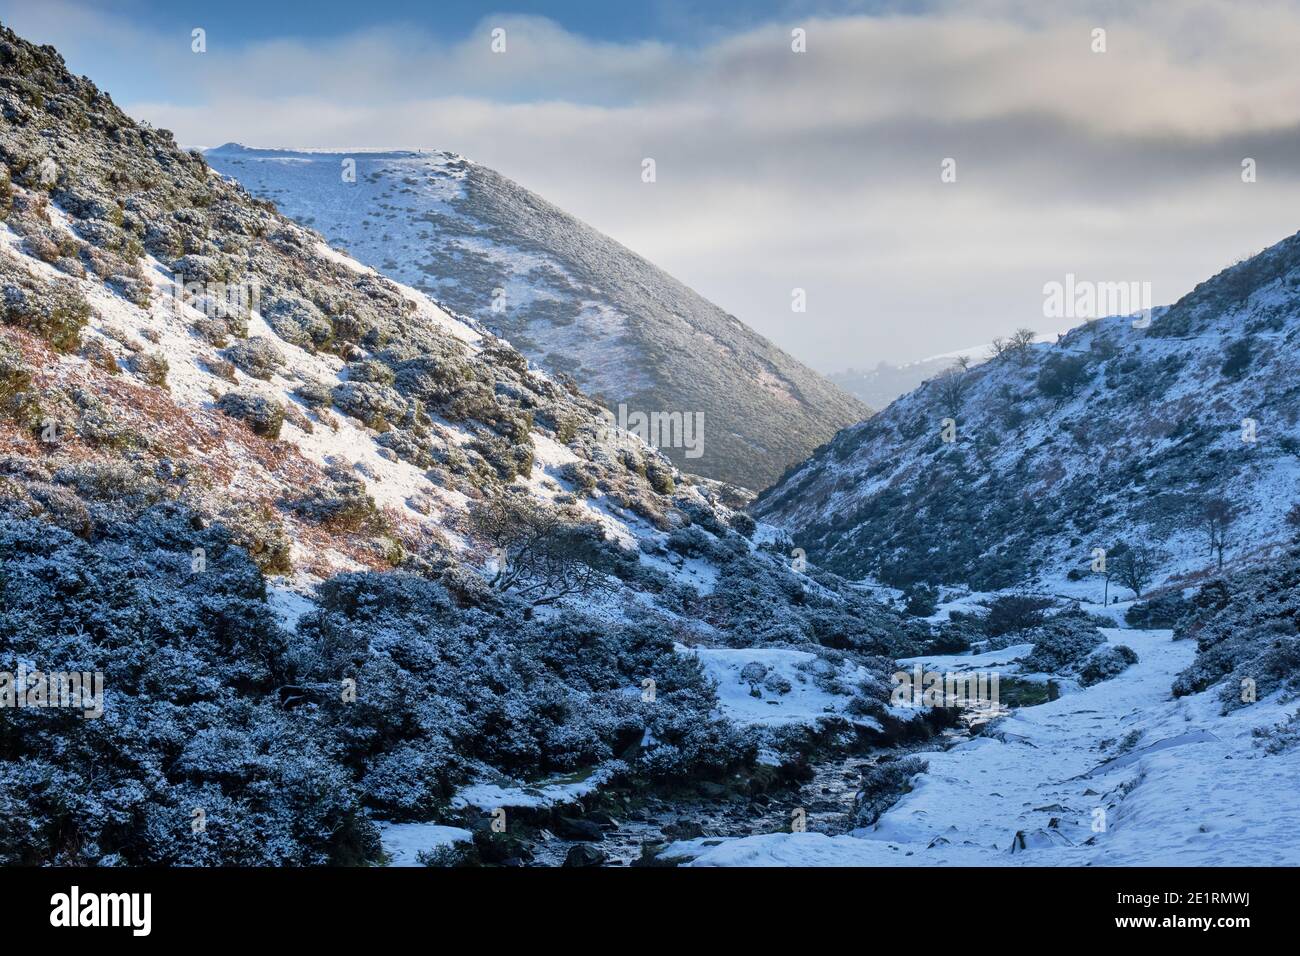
1214,518
1016,347
541,553
1135,565
950,388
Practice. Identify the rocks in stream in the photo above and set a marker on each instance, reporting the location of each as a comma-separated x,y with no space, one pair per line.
501,849
585,855
683,829
575,828
711,790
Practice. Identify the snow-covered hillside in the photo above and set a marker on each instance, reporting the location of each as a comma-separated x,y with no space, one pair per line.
342,553
568,297
1123,432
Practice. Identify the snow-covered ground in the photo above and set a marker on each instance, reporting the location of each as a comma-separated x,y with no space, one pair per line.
1116,774
803,703
404,842
487,795
1003,660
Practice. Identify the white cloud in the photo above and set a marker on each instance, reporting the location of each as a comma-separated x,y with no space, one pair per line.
821,170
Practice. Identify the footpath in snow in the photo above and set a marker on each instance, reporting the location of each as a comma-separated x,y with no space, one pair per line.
1115,774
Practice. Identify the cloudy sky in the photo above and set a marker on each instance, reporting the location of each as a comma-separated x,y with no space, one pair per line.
775,169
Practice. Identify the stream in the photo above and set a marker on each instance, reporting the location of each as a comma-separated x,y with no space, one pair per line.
826,800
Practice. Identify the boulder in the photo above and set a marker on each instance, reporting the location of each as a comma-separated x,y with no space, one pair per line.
584,854
573,828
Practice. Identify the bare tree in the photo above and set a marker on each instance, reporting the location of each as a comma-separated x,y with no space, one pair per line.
1022,338
950,388
1215,518
542,554
1134,565
1017,346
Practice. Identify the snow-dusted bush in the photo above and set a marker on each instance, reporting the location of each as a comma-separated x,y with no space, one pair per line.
1269,659
508,461
100,355
191,660
445,382
214,331
1247,631
408,446
342,505
1062,375
1279,738
119,484
742,524
41,246
110,238
882,784
297,320
1239,356
955,635
260,532
1105,663
56,311
694,541
315,393
543,554
1015,612
220,368
261,414
152,367
756,601
375,405
581,475
1162,611
34,496
1061,644
922,601
258,357
17,402
444,686
660,476
369,370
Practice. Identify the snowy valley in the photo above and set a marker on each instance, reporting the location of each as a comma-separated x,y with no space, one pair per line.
371,580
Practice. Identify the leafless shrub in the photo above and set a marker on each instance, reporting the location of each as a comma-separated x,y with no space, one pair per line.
543,554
